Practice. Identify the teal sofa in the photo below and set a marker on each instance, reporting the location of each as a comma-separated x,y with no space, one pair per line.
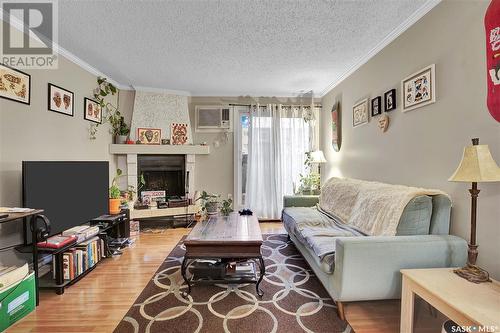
368,267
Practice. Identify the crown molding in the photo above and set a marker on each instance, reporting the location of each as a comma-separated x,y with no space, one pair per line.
61,51
430,4
89,68
161,90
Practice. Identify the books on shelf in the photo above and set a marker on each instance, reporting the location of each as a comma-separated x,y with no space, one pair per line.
57,242
83,256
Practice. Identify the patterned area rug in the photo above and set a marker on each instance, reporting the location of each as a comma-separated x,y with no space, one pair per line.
294,300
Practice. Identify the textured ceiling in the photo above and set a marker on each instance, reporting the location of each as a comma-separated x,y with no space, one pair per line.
228,48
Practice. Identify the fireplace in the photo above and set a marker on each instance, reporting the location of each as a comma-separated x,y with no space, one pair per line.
163,173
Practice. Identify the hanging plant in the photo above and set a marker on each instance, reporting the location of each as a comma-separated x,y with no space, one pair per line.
111,114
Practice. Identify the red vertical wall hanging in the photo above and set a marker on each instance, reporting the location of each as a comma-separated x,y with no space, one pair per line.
492,26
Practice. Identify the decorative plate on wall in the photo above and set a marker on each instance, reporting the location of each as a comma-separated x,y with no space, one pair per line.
336,127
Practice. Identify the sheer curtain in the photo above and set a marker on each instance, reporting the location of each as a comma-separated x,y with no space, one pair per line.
279,137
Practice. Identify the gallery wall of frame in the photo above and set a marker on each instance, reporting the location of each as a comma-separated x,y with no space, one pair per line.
15,85
416,90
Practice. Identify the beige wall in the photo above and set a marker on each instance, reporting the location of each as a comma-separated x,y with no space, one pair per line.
424,146
31,132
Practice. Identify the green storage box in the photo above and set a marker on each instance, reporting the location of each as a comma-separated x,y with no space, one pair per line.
17,301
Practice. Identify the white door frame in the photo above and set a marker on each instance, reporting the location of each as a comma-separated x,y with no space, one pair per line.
238,111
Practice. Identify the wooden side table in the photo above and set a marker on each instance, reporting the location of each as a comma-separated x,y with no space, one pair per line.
466,303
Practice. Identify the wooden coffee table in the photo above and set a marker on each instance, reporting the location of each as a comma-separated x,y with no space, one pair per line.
233,237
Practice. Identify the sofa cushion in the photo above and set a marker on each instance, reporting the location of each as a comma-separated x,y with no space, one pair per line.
373,208
296,217
416,217
317,232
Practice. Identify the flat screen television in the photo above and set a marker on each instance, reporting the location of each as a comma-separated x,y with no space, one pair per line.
71,193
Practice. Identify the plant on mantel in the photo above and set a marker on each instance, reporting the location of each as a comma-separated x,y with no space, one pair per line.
110,112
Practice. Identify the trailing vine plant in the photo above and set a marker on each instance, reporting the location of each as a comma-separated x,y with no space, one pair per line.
110,112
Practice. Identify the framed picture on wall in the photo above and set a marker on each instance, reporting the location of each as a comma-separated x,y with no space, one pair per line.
60,100
376,106
149,136
336,127
15,85
419,89
360,113
390,100
92,110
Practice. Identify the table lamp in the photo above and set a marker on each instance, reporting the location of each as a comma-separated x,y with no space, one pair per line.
477,165
317,157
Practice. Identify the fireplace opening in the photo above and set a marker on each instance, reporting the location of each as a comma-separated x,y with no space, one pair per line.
163,173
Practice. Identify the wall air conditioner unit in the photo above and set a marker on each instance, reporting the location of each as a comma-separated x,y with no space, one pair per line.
213,118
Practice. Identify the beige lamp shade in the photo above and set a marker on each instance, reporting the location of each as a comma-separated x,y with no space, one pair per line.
317,156
477,165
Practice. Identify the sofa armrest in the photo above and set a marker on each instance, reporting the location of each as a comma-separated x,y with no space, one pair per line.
300,200
368,268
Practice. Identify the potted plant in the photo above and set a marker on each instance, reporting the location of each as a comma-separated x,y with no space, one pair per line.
115,194
309,183
226,207
209,202
119,129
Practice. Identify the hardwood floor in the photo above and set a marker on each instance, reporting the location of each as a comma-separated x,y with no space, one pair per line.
100,300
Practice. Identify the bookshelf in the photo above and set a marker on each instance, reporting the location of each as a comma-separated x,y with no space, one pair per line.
56,280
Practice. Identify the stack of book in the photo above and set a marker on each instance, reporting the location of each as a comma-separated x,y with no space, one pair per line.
83,256
82,232
10,275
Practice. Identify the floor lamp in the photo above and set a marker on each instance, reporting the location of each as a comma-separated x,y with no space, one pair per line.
477,165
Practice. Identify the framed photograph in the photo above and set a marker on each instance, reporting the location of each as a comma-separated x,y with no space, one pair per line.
15,85
178,134
390,100
92,110
419,89
149,136
360,113
336,127
376,106
60,100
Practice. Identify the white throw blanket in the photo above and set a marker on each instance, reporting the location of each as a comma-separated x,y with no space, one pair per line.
373,208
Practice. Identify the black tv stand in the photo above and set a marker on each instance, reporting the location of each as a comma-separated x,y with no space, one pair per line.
115,226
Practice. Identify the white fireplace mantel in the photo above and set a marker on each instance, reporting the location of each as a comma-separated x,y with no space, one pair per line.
128,159
124,149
